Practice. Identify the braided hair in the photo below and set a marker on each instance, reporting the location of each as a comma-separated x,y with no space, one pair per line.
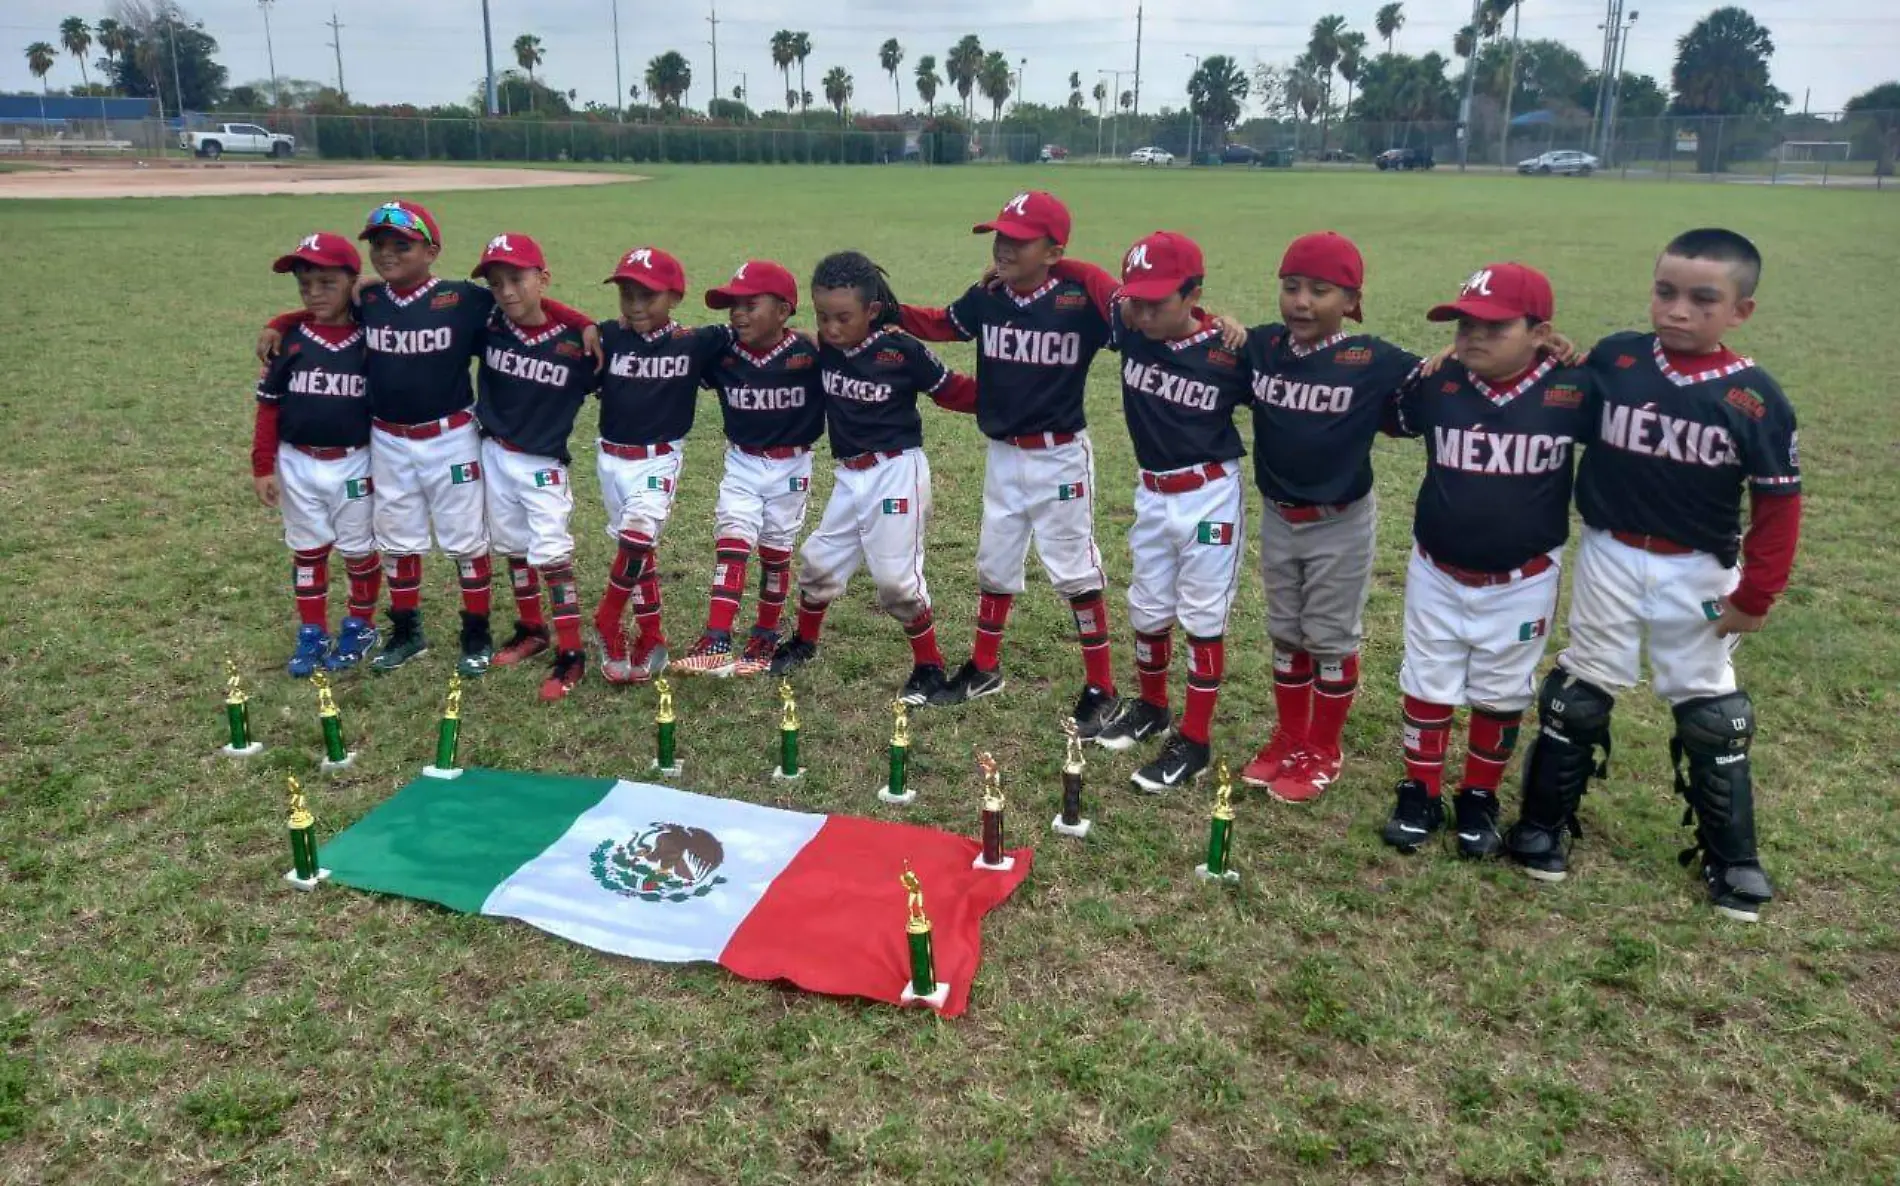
858,272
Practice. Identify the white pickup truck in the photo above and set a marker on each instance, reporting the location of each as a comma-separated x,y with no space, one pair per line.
224,138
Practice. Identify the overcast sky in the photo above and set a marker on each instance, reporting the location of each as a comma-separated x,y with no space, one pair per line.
430,51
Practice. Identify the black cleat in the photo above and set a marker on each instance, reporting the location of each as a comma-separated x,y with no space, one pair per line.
1737,891
1416,817
1094,709
478,645
1135,723
1476,816
1541,851
405,641
1181,762
969,683
926,681
793,654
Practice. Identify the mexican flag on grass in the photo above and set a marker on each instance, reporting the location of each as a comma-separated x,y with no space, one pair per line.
660,874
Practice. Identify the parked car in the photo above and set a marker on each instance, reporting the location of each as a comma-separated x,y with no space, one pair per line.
1563,160
223,138
1151,156
1404,158
1240,154
1052,152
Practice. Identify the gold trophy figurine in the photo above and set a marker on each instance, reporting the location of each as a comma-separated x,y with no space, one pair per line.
305,871
923,987
336,754
1220,833
237,716
992,858
448,735
1071,821
897,790
666,729
788,769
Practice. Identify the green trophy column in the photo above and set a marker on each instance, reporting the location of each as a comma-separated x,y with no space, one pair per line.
1220,833
305,872
448,735
665,739
896,791
336,755
922,988
788,768
237,716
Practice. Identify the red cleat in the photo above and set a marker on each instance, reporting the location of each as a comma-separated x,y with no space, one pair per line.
1272,761
1307,779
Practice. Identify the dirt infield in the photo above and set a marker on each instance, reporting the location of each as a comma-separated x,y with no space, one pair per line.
178,179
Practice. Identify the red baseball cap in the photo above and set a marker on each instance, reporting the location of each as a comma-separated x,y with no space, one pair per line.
1500,292
511,247
1032,214
1330,257
1156,267
755,277
405,218
324,249
649,267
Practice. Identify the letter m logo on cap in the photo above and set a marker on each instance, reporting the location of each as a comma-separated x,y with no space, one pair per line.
641,256
1479,284
1018,205
1137,258
500,243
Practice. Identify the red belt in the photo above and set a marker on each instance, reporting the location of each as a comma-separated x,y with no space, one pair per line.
326,452
1040,440
1306,514
867,460
635,452
1477,579
776,452
508,445
1651,543
1181,481
428,430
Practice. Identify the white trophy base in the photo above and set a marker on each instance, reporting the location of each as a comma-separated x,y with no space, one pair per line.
935,1000
1079,829
1231,877
779,775
904,800
329,767
307,884
441,772
1003,866
673,771
231,751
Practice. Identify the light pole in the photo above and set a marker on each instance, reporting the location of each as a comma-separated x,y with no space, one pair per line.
178,87
1622,35
1193,117
488,49
276,88
1114,105
620,86
1471,77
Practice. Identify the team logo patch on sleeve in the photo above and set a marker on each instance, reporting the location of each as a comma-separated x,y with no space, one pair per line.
547,477
1563,395
897,506
1072,300
1210,532
445,300
800,485
359,488
1530,630
1353,356
889,357
1070,492
1746,402
464,472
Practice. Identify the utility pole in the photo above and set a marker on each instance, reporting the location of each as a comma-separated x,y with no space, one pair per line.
1471,78
1604,67
620,85
1137,110
488,47
1622,35
745,90
713,21
178,87
336,43
1193,117
276,88
1115,105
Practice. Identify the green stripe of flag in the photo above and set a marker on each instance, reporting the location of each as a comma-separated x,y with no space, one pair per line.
492,823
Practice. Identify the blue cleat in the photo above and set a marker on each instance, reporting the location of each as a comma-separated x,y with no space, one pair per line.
313,652
353,643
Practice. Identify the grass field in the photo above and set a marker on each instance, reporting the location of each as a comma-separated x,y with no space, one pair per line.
169,1011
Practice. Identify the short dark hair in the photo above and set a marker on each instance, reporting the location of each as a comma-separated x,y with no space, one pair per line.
857,271
1723,246
1190,284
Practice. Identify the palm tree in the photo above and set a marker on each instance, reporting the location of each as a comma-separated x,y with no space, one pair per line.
528,54
838,88
1323,48
39,59
114,39
890,55
1304,90
76,37
962,66
783,55
1390,20
1217,90
669,78
1100,94
994,81
801,49
1126,101
1352,56
927,82
1464,42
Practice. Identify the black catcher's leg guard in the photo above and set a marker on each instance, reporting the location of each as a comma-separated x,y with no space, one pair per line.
1713,733
1573,724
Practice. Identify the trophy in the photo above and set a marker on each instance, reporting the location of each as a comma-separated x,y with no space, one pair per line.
896,792
448,735
992,858
1220,833
1071,821
665,760
237,716
305,873
336,756
788,768
923,988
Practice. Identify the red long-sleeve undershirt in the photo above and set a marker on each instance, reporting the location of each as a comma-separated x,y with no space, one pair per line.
264,441
958,394
1768,547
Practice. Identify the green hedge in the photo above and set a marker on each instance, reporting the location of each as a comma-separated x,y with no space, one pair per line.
369,137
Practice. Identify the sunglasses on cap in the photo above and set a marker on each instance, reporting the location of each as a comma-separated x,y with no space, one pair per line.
400,219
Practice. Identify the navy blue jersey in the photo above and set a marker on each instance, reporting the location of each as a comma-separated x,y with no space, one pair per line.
1179,398
420,345
1032,357
773,399
650,389
321,388
532,384
871,392
1498,463
1673,450
1316,413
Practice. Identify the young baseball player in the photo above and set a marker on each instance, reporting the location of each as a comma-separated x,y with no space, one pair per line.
425,452
1320,395
1685,426
774,408
1036,335
310,455
649,393
1180,386
1500,425
535,375
872,373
